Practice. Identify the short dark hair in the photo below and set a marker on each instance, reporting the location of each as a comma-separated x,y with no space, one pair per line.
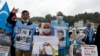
60,31
60,13
25,11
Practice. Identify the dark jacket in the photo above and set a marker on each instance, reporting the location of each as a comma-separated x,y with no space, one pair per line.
13,23
97,38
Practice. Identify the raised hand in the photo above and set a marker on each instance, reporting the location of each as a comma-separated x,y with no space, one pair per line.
15,10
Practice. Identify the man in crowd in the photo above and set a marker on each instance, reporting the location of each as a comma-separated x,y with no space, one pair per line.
60,23
89,34
24,22
46,32
46,29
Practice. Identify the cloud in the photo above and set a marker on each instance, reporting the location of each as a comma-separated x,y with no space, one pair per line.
43,7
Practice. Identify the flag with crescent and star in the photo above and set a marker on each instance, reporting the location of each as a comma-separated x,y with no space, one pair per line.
4,13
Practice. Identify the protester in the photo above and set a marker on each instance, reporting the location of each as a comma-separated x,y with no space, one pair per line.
4,40
80,38
46,32
97,40
89,34
24,22
60,23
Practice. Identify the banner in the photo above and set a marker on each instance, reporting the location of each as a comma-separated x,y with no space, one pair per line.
23,38
4,50
89,50
45,45
83,50
60,32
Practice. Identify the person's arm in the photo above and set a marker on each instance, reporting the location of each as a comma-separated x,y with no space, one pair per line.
9,19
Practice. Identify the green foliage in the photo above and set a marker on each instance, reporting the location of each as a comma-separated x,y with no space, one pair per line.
93,17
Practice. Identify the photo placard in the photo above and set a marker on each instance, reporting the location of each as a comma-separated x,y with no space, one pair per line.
24,38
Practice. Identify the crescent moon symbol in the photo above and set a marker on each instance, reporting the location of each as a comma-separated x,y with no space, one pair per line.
5,12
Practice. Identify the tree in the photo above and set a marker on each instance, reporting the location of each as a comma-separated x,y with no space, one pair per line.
48,18
92,17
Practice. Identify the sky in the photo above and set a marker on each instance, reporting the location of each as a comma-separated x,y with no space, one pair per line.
44,7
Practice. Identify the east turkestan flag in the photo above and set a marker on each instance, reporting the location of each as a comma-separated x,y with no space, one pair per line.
4,13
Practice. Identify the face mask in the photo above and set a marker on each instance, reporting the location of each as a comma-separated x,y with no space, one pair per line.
81,31
59,17
1,35
46,31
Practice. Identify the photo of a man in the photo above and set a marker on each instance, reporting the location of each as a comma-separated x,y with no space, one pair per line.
60,34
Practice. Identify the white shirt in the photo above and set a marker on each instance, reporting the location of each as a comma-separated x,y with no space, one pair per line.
26,21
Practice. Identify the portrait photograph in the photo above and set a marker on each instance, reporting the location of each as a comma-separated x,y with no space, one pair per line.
61,34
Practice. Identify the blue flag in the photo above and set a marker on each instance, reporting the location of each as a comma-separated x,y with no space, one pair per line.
4,13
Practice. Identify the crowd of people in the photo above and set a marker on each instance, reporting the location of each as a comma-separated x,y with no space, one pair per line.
74,36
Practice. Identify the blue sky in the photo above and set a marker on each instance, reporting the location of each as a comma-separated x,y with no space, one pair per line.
43,7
